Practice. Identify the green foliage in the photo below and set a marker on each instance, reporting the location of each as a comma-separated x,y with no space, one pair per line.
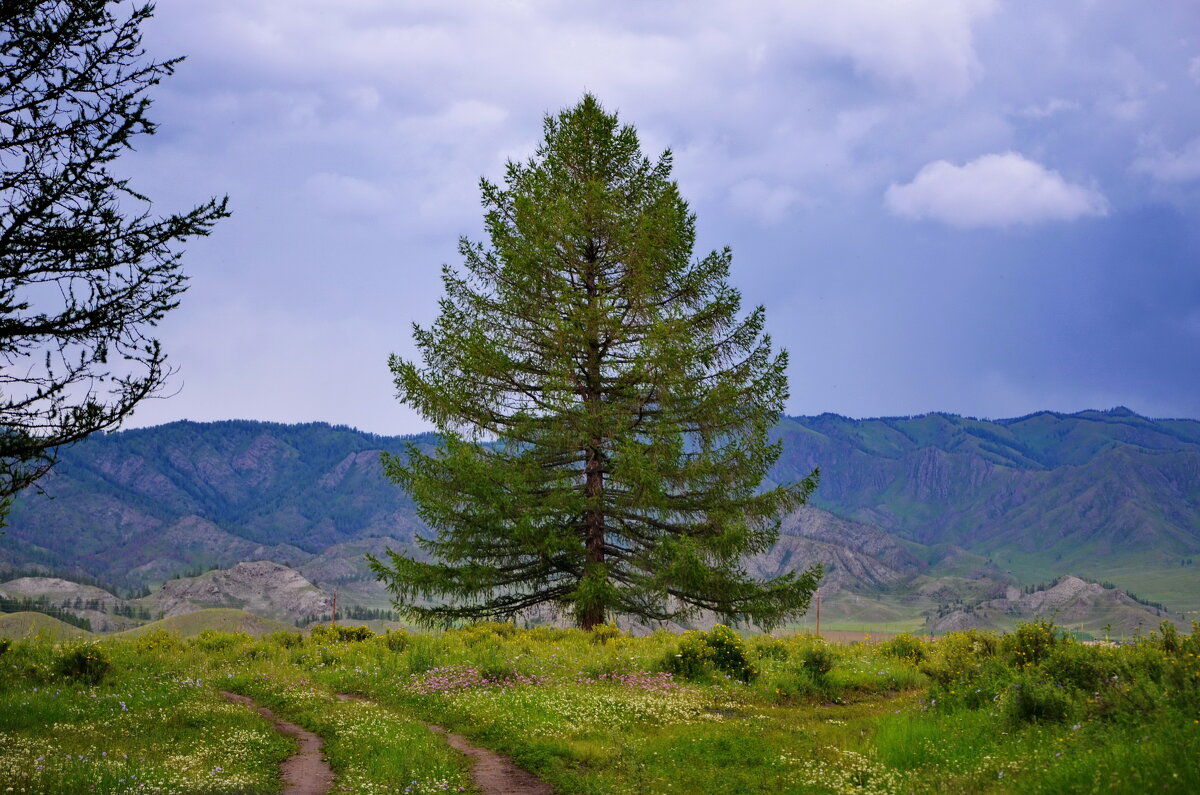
765,647
817,659
5,645
691,659
729,654
486,631
1033,698
906,647
158,640
1031,642
212,640
626,400
604,633
287,640
337,633
396,640
84,662
701,653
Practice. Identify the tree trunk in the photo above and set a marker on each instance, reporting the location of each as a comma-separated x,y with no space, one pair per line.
593,487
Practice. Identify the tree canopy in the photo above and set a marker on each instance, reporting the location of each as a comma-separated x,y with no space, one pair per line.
85,269
603,405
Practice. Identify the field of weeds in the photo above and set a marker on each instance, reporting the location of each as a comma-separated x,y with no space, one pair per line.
1029,711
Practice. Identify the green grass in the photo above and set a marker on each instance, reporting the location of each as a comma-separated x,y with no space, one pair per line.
971,712
143,728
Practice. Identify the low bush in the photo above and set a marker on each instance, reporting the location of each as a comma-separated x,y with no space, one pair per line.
287,640
396,640
729,653
158,640
211,640
817,659
1031,642
604,633
765,647
1035,699
700,654
691,659
85,662
906,648
335,633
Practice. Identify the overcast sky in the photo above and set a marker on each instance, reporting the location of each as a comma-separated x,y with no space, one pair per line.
976,206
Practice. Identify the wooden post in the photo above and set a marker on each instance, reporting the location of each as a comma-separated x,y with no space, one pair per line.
818,612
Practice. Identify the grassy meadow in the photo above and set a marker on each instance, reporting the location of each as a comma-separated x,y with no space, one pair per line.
1029,711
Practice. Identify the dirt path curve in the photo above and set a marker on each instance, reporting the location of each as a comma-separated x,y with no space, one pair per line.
494,774
305,772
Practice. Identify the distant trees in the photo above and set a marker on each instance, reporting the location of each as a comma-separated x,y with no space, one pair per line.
85,269
603,406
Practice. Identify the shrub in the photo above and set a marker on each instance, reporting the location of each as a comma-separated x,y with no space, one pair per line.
959,656
287,640
699,653
85,662
487,630
1032,699
729,653
766,647
1030,643
5,645
817,659
906,648
692,659
1080,667
211,640
604,633
1168,639
326,633
396,640
158,641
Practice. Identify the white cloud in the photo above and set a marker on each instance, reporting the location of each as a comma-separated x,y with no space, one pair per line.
993,190
926,43
346,195
1166,166
1047,109
769,204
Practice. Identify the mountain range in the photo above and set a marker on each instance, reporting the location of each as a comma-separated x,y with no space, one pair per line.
936,512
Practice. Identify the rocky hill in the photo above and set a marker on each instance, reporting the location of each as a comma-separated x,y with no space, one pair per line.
260,587
1069,602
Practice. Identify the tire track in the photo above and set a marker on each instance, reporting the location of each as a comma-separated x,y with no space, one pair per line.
305,772
494,774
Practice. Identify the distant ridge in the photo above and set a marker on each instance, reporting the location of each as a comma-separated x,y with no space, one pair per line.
1109,495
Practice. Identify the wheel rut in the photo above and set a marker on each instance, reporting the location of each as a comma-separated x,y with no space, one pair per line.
305,772
494,774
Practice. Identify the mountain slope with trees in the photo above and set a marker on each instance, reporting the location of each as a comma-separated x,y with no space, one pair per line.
1107,495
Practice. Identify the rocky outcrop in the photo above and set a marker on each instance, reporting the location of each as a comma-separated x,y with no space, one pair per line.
260,587
1070,602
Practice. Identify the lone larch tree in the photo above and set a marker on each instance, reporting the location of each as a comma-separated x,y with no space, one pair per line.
603,407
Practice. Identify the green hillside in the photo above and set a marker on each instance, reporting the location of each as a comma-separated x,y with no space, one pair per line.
23,625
